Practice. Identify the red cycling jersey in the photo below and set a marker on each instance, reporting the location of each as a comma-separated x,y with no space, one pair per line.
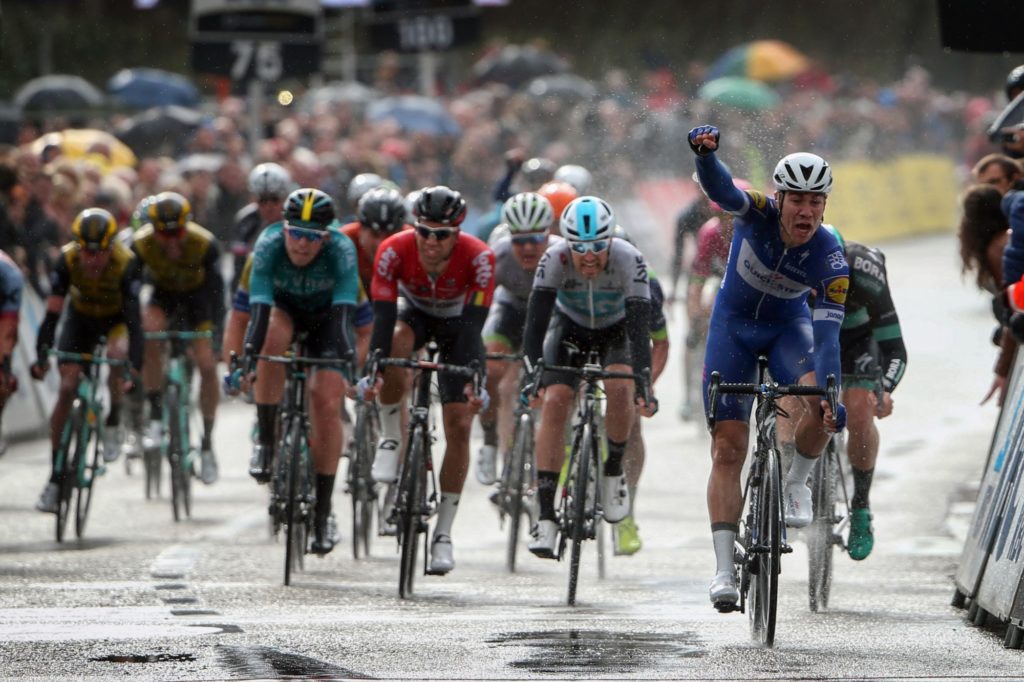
363,260
467,280
712,252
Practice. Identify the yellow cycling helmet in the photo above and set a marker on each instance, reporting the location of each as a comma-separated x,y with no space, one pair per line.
169,212
93,229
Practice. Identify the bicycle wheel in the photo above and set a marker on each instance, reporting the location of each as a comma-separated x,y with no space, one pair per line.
294,545
578,523
153,462
514,485
410,506
89,471
67,460
820,535
360,483
767,551
175,453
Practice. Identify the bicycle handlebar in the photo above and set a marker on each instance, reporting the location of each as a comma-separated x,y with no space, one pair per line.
87,357
172,335
769,390
468,371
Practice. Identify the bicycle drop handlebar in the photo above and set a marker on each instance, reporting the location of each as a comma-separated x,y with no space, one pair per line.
769,390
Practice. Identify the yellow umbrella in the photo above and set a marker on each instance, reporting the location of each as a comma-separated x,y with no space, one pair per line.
773,60
96,145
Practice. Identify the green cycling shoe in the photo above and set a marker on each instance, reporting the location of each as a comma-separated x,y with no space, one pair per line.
862,535
627,537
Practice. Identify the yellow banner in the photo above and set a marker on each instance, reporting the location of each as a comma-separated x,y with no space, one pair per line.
913,194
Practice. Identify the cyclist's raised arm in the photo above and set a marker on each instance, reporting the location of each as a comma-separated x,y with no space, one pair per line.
131,285
714,178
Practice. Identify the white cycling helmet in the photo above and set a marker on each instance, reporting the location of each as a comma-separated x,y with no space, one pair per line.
803,172
270,180
361,184
577,176
587,219
527,212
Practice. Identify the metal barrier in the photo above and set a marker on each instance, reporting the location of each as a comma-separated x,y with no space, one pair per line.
990,576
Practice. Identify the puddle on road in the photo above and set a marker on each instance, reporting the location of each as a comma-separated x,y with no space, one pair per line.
595,652
264,662
144,658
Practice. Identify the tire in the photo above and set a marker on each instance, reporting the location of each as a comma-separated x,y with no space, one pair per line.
409,505
361,486
959,599
820,544
578,523
176,455
68,474
522,448
765,581
294,547
93,467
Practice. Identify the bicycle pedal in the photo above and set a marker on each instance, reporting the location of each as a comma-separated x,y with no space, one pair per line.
726,606
786,549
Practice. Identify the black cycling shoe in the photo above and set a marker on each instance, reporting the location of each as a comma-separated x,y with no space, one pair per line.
259,464
325,535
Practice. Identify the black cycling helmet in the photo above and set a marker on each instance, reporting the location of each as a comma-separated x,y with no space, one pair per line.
1015,82
93,229
168,212
382,210
440,204
309,208
537,171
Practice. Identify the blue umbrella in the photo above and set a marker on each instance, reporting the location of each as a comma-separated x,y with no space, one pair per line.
415,114
145,88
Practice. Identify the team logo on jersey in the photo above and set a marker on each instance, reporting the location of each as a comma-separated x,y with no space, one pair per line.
758,199
836,260
765,279
384,262
836,290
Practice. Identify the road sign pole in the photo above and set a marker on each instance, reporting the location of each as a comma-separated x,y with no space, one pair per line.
427,73
255,118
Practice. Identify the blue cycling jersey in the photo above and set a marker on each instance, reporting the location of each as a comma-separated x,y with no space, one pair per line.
766,286
330,279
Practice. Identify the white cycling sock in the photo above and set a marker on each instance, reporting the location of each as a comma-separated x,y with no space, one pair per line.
446,513
391,420
800,469
725,546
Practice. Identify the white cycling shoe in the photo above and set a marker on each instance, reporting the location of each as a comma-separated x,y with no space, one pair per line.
487,465
441,559
49,499
724,592
385,461
799,509
615,498
544,540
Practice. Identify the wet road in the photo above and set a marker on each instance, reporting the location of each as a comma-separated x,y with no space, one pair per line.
149,599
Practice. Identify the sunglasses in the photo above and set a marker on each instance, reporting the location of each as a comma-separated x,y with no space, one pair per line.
524,239
438,233
596,246
305,233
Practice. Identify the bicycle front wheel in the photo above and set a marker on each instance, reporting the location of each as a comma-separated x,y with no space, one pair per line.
764,589
295,532
87,471
515,485
578,493
820,536
361,486
410,506
67,464
177,455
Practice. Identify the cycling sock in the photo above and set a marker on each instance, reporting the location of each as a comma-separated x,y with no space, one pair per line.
490,433
723,535
446,513
207,434
861,488
391,421
613,465
632,498
324,490
114,416
54,477
547,486
800,469
266,416
156,404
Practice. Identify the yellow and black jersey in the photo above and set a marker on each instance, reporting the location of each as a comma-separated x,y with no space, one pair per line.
199,259
102,296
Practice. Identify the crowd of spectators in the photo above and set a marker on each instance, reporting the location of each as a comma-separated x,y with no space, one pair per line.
631,130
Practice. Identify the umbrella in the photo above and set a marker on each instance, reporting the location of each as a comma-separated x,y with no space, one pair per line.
1010,117
145,88
77,143
414,114
563,86
740,93
339,92
57,93
762,60
159,130
515,65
